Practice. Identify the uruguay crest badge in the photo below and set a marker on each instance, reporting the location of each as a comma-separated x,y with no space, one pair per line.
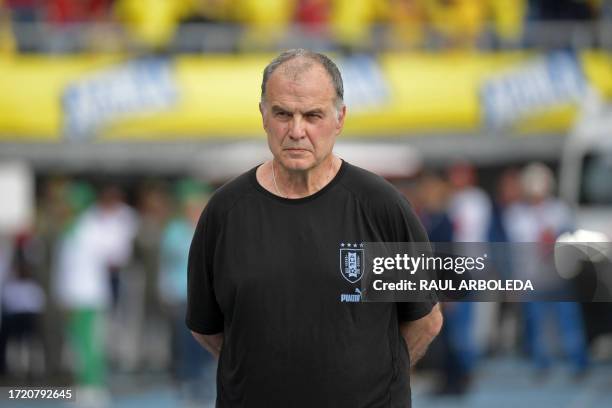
351,261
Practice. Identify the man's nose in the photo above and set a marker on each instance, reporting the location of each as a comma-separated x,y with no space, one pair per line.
297,130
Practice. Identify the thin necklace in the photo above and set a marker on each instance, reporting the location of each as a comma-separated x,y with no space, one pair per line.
276,185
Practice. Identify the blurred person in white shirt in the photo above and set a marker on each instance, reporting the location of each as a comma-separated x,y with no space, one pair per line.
92,252
540,220
470,214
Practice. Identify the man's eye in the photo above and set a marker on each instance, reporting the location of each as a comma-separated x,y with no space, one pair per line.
313,116
282,114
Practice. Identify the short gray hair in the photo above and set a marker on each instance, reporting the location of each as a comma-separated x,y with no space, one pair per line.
329,66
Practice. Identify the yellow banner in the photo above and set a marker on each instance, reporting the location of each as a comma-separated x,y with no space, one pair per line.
103,97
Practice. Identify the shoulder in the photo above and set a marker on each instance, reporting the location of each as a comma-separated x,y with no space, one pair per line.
371,190
224,199
232,192
384,206
374,193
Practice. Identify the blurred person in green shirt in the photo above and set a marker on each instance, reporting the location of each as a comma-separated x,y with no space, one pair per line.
193,367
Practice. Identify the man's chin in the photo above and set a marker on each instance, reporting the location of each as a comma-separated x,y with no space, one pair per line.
293,164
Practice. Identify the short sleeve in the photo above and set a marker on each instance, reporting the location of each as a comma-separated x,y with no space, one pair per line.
409,311
203,312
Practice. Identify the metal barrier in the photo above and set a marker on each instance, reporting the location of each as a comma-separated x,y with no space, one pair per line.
224,38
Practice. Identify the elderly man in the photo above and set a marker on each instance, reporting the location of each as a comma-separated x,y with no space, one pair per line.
274,265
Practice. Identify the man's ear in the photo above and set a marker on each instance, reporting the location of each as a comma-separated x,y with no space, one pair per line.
261,110
341,116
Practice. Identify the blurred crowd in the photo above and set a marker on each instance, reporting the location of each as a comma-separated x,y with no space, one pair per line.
522,208
98,284
245,25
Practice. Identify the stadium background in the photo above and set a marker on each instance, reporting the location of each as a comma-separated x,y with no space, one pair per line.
143,107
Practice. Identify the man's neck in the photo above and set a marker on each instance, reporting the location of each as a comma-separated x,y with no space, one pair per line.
299,184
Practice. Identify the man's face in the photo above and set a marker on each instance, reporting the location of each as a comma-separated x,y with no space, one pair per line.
300,117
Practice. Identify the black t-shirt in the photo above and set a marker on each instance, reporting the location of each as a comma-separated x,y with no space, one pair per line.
268,272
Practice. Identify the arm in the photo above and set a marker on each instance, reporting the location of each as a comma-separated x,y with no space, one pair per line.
212,343
419,333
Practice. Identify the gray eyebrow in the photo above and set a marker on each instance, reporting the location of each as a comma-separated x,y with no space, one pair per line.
316,110
277,108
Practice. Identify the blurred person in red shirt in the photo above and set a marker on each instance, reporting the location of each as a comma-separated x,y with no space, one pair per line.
312,18
313,15
79,25
77,11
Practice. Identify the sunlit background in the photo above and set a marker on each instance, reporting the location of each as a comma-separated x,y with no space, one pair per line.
119,118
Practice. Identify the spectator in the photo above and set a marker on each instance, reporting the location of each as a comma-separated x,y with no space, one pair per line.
458,23
313,15
7,39
150,327
406,23
507,196
194,367
151,23
351,22
434,195
508,17
562,10
23,15
207,26
470,207
470,214
265,22
24,11
91,256
23,302
208,11
540,221
606,10
53,219
77,11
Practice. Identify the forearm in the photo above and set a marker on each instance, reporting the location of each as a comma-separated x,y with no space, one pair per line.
212,343
419,334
